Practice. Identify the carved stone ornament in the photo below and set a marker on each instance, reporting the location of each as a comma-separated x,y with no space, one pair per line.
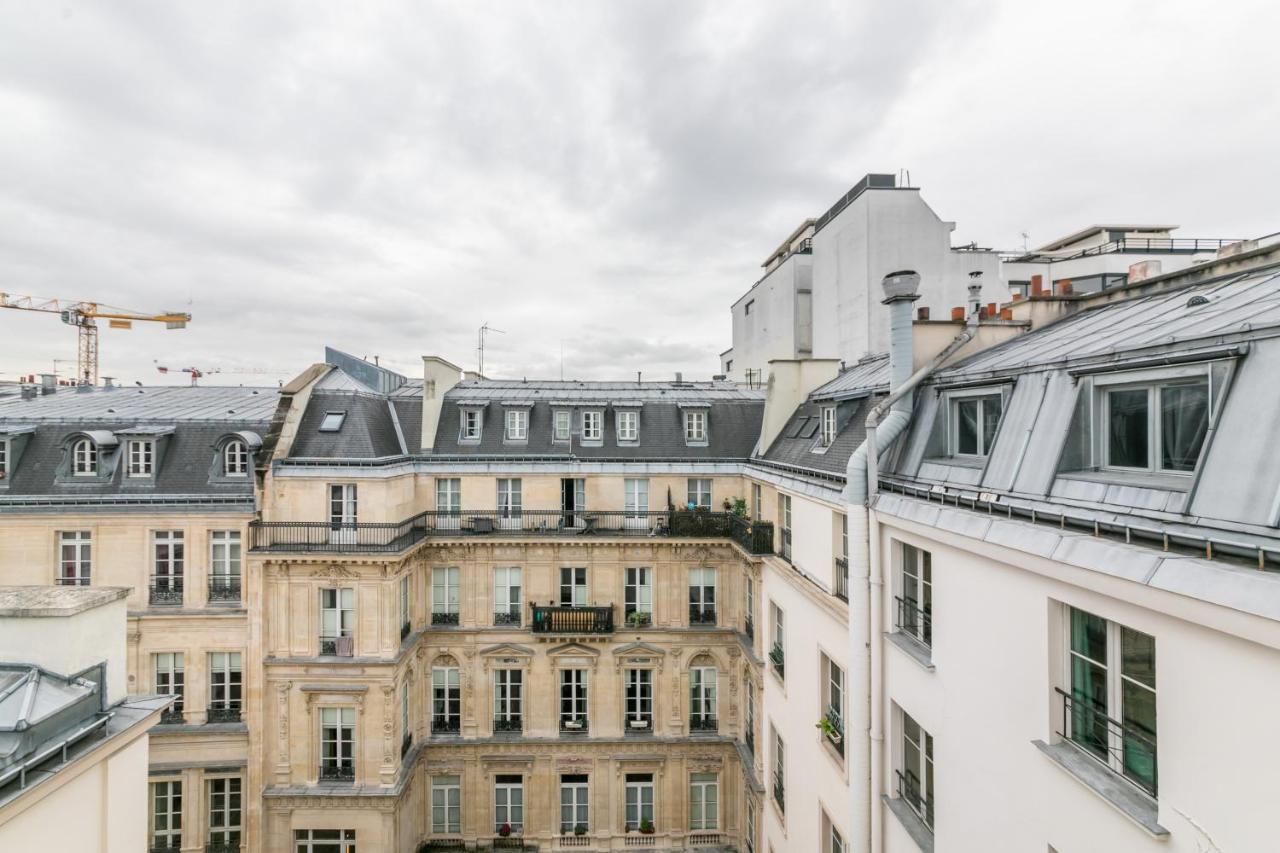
334,571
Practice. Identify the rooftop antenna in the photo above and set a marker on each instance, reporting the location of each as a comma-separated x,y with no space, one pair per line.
483,329
1025,237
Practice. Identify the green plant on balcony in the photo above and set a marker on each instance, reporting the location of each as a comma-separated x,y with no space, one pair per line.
736,506
646,827
639,619
580,829
830,729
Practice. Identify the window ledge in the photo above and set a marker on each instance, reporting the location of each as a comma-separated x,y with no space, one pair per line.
978,462
1110,787
913,649
1138,478
911,822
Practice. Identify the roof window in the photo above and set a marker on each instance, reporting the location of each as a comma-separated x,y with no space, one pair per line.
332,421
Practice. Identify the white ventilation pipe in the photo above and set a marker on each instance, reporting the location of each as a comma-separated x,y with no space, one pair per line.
885,423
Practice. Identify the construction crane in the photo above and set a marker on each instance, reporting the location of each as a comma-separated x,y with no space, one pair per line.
84,316
196,372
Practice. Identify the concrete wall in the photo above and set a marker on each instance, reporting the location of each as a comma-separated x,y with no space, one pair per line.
780,322
84,639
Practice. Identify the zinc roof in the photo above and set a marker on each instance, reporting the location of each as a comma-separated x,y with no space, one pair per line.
166,403
868,374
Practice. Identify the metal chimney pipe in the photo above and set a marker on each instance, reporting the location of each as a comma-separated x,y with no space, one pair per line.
975,294
900,290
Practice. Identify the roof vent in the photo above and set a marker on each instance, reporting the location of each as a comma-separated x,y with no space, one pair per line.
1197,300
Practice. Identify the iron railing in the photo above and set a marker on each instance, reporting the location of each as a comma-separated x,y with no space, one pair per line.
405,629
338,771
165,848
701,614
639,724
1128,749
779,660
510,723
337,646
703,723
173,716
909,792
749,628
914,621
224,587
509,617
842,578
166,589
444,618
638,619
64,581
224,714
555,619
445,725
750,740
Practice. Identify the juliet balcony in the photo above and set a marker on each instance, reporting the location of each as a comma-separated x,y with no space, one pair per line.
754,537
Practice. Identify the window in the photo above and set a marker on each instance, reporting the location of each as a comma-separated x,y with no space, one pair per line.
166,815
449,495
406,733
235,459
517,425
169,553
751,826
332,421
746,309
573,700
573,586
142,454
4,457
777,654
779,772
828,425
342,513
702,596
225,682
1111,709
562,425
699,493
506,595
75,557
470,429
756,508
337,612
1157,427
695,426
444,595
749,724
446,700
833,702
406,605
915,605
224,811
508,691
635,496
702,698
835,841
324,841
508,803
224,565
84,458
639,699
749,606
337,743
509,506
170,679
628,426
974,420
638,596
575,804
639,801
591,426
915,779
704,801
446,805
784,514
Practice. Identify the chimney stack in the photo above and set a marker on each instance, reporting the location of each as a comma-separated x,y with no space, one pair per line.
900,290
1037,286
48,383
975,295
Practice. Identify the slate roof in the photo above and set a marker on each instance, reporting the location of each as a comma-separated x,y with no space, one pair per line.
165,403
368,431
870,373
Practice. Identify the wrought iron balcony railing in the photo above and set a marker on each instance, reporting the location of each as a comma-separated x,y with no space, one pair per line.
406,743
834,730
703,723
512,723
224,588
702,615
229,713
914,621
222,847
445,725
83,580
509,617
842,578
1128,749
750,740
343,647
444,618
405,629
909,792
639,724
749,628
554,619
338,771
173,716
779,793
166,589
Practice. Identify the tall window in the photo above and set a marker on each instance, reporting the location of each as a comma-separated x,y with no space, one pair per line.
915,605
235,459
639,699
75,557
702,596
446,805
517,425
509,497
699,492
166,814
695,426
974,420
704,801
575,804
170,678
592,429
444,595
915,779
224,565
337,743
506,595
406,605
778,653
751,826
562,425
832,703
828,425
225,683
784,516
757,511
1160,427
342,505
779,771
141,457
169,551
749,716
324,841
636,497
4,458
628,426
573,700
573,586
702,698
749,606
638,595
639,801
337,613
508,802
224,811
470,429
446,700
406,732
508,693
1111,710
84,458
835,842
449,495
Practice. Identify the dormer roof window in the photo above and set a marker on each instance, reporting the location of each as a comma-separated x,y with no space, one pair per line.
695,425
84,458
332,421
828,425
973,421
592,425
141,457
517,425
471,423
235,459
1156,427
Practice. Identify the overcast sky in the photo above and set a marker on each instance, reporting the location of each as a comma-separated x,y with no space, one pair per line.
599,177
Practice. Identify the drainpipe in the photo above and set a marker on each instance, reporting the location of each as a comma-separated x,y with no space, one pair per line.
884,424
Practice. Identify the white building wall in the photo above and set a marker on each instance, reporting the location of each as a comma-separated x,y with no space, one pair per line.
85,639
780,322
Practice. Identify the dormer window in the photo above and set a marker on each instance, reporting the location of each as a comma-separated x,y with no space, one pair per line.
84,458
4,458
695,426
517,425
974,421
628,426
332,421
1156,427
828,425
563,423
470,425
592,426
235,459
142,454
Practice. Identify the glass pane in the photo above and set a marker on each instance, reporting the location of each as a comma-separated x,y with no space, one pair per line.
967,426
1138,656
1089,706
1128,428
1089,635
1139,732
991,407
1184,420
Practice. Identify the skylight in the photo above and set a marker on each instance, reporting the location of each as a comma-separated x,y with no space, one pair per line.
332,421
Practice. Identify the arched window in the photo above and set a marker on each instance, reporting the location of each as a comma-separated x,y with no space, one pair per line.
702,695
84,458
235,459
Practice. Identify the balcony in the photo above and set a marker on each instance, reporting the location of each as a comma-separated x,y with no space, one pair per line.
343,647
445,725
914,621
173,716
555,619
511,724
224,714
755,537
702,616
446,619
166,590
779,660
842,578
703,724
224,589
909,792
340,771
507,618
574,726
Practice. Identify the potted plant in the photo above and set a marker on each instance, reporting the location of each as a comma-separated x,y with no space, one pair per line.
504,830
573,724
580,829
728,504
646,827
829,729
638,619
639,724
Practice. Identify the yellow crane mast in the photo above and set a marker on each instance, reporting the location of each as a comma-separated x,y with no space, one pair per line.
84,316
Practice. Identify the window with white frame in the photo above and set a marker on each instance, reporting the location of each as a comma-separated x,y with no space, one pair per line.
635,496
517,425
695,426
828,425
225,681
915,776
784,516
235,459
835,841
406,604
1110,711
169,552
84,458
575,804
779,771
562,425
749,605
915,602
592,426
166,815
638,699
638,802
702,698
778,651
446,805
337,743
324,841
141,457
449,495
337,612
508,803
974,420
757,511
445,597
224,555
507,591
573,700
628,421
1156,427
342,505
704,801
446,699
75,557
702,596
332,421
224,811
469,430
406,697
4,458
509,500
169,677
508,695
833,699
638,595
573,586
699,493
749,716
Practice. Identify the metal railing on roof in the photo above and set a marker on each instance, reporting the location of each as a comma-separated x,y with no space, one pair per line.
1134,245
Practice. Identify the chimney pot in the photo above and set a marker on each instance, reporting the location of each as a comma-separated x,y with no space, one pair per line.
900,285
1006,313
957,315
1064,287
923,313
1017,296
991,309
1037,286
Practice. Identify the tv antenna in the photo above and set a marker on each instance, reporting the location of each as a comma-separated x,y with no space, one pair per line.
483,330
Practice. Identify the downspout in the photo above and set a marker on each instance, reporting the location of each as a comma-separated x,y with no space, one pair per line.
884,424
